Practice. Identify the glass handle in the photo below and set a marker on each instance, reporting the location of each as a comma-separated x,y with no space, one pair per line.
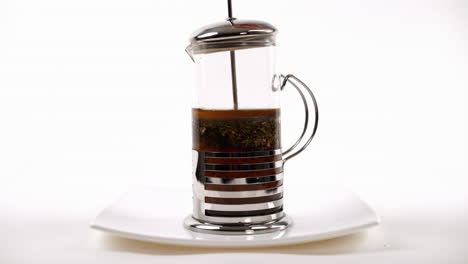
301,87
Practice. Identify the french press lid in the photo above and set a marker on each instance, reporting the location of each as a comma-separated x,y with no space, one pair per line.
232,34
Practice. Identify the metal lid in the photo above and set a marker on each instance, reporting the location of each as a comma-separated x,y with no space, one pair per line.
232,34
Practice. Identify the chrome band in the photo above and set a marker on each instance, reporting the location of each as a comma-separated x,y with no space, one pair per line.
243,194
244,229
241,181
243,167
241,220
242,154
212,209
242,207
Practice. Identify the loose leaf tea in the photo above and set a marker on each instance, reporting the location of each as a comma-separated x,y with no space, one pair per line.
236,130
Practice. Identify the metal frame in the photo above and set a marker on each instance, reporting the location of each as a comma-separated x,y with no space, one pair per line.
275,224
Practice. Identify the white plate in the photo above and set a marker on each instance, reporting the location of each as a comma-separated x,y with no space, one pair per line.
156,215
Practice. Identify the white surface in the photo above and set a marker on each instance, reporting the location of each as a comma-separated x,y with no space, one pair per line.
330,213
93,102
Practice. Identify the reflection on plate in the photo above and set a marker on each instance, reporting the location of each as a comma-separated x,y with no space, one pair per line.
157,215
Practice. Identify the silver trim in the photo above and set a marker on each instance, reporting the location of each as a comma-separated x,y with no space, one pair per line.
242,181
242,220
247,154
231,34
243,167
243,194
242,207
250,229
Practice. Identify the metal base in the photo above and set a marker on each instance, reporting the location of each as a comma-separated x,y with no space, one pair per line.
243,229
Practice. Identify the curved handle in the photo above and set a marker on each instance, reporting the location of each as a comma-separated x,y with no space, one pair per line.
289,78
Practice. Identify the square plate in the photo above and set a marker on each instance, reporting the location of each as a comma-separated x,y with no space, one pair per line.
157,215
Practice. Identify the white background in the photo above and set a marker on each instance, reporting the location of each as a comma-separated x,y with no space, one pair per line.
95,99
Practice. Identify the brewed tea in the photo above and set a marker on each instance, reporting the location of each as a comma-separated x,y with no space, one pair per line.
236,130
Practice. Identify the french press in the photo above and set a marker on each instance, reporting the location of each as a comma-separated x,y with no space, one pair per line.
238,160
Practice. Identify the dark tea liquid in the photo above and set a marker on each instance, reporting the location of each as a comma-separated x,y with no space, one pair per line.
236,130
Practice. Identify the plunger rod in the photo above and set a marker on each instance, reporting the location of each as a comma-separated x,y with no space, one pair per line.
234,81
229,9
233,63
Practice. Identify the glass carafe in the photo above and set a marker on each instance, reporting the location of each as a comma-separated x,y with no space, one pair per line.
238,158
